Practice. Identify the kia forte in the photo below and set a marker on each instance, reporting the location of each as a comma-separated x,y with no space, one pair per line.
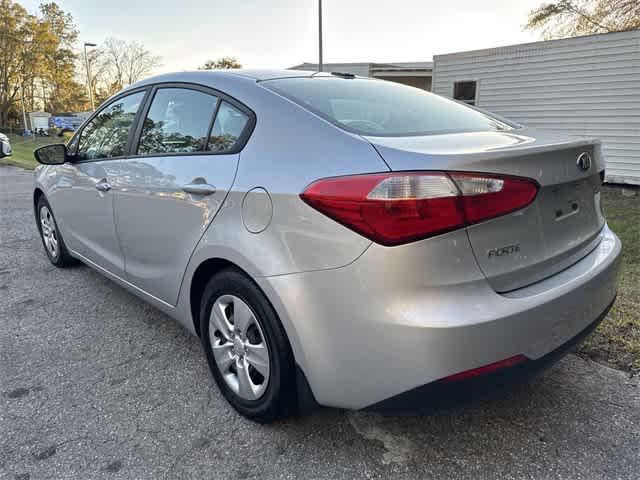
335,240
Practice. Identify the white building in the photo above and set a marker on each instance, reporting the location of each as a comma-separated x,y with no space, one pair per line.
582,86
39,121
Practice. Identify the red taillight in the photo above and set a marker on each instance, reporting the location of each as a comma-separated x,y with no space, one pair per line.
396,208
489,196
486,369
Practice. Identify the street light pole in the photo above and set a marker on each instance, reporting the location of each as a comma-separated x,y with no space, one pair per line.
86,61
320,35
24,112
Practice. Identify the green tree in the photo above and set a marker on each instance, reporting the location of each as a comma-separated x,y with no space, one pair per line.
60,23
61,92
221,63
24,41
570,18
36,59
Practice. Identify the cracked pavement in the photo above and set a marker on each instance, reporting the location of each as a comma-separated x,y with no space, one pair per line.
95,384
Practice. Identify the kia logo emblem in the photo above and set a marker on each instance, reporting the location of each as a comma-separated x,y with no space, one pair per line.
584,161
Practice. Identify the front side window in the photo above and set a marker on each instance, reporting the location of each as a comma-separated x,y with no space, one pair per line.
178,122
379,108
106,135
227,128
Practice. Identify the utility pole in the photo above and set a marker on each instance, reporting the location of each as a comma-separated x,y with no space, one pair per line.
319,35
24,113
86,61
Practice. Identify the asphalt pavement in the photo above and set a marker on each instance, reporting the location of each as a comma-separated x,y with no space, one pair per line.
96,384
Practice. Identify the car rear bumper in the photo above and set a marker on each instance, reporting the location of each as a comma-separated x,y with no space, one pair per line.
445,394
399,318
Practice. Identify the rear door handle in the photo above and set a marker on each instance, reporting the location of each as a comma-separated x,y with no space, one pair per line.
199,186
103,185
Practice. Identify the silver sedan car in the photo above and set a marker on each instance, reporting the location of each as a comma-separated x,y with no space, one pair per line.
335,240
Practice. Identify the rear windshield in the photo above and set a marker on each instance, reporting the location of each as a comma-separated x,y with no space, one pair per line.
379,108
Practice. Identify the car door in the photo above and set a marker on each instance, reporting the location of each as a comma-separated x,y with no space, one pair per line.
183,163
83,193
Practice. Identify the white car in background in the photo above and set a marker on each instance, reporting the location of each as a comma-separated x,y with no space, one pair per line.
5,146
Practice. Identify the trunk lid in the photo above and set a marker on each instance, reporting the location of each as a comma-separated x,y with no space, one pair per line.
560,227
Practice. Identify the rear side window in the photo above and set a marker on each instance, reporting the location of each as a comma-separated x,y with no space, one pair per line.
106,135
227,129
178,122
379,108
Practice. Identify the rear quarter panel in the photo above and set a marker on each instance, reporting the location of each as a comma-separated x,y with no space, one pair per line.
289,149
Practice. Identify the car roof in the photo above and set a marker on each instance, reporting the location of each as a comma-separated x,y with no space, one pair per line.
265,74
204,75
229,78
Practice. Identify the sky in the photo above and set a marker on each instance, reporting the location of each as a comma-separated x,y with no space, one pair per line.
283,33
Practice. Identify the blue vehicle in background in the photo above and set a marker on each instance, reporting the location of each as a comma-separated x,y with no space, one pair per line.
69,123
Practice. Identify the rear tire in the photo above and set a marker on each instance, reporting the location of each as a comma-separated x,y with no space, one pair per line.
253,363
50,235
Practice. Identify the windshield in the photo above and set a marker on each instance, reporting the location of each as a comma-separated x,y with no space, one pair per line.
379,108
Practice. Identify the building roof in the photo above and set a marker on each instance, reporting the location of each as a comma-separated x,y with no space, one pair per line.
403,66
373,67
595,38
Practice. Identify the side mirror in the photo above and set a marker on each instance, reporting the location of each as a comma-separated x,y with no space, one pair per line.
55,154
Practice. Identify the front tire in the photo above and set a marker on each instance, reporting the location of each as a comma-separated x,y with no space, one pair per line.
247,348
50,236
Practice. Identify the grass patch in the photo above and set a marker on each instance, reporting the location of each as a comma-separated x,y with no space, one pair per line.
616,342
23,148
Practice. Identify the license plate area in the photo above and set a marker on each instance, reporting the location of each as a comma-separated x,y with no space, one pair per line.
571,214
571,199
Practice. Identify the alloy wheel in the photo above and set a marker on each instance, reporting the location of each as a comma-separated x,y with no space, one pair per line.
49,232
239,347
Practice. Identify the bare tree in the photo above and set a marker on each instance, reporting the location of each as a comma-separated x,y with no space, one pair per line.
569,18
117,64
138,62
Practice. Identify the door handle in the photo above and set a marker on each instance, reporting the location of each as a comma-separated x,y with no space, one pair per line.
103,185
199,186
